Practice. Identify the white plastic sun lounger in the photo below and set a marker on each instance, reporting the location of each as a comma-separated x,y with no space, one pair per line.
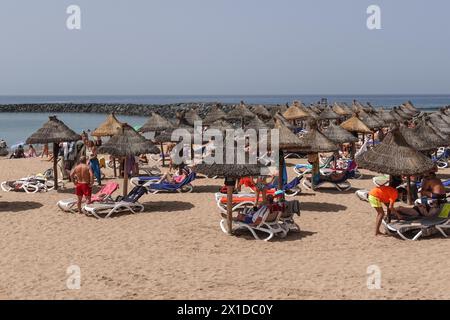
272,227
128,204
419,228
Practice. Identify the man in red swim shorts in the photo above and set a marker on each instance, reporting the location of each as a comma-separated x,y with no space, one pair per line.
83,177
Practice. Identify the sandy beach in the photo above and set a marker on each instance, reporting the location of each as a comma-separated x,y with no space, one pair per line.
176,250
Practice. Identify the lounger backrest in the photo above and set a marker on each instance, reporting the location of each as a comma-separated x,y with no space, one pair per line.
135,194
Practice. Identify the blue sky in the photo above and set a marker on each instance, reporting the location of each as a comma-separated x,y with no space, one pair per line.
224,47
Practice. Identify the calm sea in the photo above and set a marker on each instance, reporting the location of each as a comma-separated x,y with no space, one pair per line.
15,127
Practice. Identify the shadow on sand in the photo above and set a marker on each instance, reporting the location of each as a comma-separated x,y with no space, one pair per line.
291,236
322,207
19,206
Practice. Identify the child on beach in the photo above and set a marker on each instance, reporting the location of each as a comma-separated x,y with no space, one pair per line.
387,196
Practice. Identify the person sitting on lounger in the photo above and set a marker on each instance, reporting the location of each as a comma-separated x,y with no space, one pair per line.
387,196
432,186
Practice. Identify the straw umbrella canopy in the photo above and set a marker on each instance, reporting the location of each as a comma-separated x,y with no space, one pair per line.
407,111
256,124
294,112
240,112
191,116
402,114
221,125
110,127
409,105
415,139
127,142
338,135
445,117
354,124
231,172
262,112
328,114
394,156
396,116
386,116
312,113
279,117
316,142
439,123
370,121
156,123
214,114
53,131
278,109
339,109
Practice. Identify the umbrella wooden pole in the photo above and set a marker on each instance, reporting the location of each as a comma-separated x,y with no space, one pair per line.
55,164
280,170
114,167
315,172
373,138
230,209
125,178
163,156
408,188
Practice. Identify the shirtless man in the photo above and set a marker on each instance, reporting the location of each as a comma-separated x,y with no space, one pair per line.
83,178
432,186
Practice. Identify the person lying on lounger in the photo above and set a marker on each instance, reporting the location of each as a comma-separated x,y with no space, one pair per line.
256,215
387,196
183,172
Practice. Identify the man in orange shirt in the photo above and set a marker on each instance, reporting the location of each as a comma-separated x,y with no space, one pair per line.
387,196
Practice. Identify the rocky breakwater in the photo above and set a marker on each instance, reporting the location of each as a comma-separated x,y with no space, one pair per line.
167,110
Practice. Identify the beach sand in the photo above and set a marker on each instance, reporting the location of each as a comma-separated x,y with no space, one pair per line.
176,250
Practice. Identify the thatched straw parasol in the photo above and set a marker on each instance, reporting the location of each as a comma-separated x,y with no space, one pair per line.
394,156
110,127
338,135
328,114
409,105
402,114
53,131
127,142
214,114
433,139
316,142
191,116
295,112
240,112
386,116
262,112
279,117
231,172
256,124
340,110
354,124
221,125
414,138
370,121
156,123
